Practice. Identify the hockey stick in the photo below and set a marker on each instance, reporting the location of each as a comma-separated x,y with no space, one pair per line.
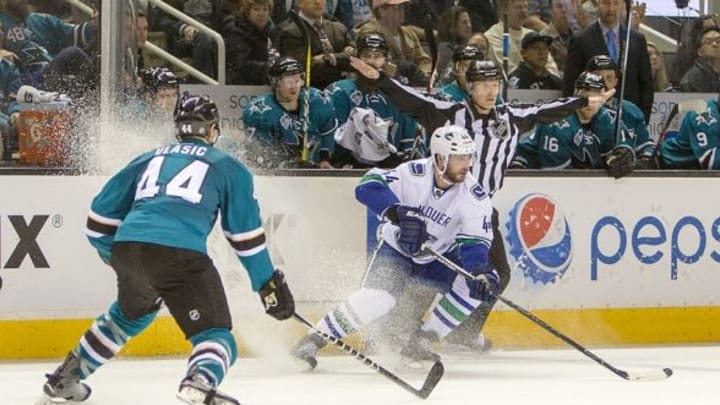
624,46
295,17
506,55
648,376
432,44
433,378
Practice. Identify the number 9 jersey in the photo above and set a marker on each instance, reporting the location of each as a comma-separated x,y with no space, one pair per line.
171,196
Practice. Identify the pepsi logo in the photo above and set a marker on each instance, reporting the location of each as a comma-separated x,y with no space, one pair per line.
539,238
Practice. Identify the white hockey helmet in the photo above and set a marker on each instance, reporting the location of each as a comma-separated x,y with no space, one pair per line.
450,140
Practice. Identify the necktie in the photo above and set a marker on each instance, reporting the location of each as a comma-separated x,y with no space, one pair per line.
324,40
611,45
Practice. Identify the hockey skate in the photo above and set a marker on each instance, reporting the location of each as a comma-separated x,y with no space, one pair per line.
196,389
418,348
306,349
480,344
63,386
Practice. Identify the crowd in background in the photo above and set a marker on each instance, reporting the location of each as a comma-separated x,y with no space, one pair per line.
552,42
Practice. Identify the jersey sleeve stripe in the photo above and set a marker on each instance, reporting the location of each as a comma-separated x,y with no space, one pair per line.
251,252
368,178
98,228
104,220
237,237
248,244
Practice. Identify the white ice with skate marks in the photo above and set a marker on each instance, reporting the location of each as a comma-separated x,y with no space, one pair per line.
560,377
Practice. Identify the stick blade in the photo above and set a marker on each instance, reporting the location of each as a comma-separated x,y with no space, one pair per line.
432,380
648,375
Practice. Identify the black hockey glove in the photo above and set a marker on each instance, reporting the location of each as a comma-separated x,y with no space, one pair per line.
276,297
620,161
413,232
486,287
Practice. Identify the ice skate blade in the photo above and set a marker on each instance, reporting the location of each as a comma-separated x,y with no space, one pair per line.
194,396
45,399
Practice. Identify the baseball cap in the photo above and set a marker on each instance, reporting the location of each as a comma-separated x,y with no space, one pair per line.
531,37
380,3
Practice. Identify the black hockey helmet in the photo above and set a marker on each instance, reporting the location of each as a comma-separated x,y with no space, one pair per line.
194,116
590,81
467,53
374,41
285,66
482,70
158,77
600,62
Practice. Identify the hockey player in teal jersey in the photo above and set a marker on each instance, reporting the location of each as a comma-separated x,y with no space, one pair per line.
349,94
435,201
458,90
632,117
580,141
274,121
697,144
151,222
36,38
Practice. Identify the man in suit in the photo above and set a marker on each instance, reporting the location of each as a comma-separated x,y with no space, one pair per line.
328,39
603,38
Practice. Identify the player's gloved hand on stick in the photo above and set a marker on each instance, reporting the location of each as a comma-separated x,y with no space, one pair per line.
413,232
276,297
486,286
620,161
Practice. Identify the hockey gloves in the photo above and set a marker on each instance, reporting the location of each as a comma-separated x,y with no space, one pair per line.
620,161
412,227
276,297
486,285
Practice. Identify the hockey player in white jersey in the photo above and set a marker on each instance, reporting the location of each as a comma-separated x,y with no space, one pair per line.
435,201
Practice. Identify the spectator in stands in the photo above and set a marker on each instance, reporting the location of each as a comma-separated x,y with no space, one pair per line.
480,41
539,15
531,72
9,107
328,40
482,13
704,75
279,123
454,30
357,101
185,40
561,28
251,40
688,47
410,63
582,140
141,36
416,14
350,12
633,119
159,88
603,38
517,12
657,66
46,48
586,13
457,89
697,143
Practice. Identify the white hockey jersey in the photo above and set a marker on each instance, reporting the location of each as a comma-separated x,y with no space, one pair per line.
459,214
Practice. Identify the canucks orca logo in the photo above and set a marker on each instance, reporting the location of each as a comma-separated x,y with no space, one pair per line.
539,238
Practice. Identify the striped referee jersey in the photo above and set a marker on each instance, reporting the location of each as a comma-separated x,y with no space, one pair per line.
496,134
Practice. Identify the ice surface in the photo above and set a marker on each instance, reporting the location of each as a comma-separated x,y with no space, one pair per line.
556,377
